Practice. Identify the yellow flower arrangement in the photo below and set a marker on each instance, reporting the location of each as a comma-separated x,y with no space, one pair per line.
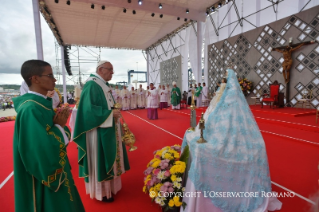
164,175
246,86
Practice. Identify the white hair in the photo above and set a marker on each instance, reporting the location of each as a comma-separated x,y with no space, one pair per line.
174,83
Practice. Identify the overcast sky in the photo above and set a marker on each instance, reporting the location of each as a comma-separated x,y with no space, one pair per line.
17,44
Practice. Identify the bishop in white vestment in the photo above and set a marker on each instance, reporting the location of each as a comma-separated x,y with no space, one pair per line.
125,96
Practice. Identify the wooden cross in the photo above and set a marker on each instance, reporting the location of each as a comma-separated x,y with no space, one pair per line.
286,65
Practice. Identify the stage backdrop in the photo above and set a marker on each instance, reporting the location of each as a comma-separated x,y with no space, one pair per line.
253,59
171,71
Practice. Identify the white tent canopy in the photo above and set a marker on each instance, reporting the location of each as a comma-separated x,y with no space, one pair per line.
79,24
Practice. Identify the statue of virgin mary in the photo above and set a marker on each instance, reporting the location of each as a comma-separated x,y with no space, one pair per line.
231,170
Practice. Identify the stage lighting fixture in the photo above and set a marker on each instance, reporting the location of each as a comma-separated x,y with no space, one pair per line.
160,6
219,5
68,2
185,19
161,15
92,6
124,10
178,18
152,14
56,1
103,7
213,9
187,11
207,12
134,12
140,2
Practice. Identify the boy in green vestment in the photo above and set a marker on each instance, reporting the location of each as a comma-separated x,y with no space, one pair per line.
102,155
198,94
42,175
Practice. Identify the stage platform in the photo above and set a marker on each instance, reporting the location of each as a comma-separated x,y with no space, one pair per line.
285,111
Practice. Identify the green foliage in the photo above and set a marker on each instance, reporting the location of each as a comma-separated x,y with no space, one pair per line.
185,155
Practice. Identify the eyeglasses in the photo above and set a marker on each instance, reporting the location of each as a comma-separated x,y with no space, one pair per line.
48,75
110,69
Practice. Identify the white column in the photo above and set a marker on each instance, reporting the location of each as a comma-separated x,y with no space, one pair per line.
148,67
199,51
63,75
258,6
37,28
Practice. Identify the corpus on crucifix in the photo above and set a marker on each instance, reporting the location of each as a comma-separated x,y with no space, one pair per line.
287,51
286,65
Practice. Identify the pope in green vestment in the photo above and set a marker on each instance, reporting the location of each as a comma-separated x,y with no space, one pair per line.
110,154
175,96
42,172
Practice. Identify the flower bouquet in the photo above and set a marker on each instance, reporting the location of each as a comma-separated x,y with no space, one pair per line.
8,118
63,107
246,86
164,176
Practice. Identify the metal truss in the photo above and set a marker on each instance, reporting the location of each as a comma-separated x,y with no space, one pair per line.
274,4
305,6
78,56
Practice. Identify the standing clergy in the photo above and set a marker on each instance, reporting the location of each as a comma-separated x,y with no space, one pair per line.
42,177
146,95
198,94
163,97
176,97
205,98
168,96
140,97
102,155
159,93
133,99
117,95
125,95
152,103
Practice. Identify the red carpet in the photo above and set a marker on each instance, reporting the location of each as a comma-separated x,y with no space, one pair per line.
293,162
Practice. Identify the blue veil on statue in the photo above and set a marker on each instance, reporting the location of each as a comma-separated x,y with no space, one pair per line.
234,159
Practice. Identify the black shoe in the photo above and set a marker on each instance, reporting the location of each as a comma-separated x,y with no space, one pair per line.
108,200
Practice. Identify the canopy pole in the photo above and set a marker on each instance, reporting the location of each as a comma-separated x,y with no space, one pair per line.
37,28
63,76
148,68
199,52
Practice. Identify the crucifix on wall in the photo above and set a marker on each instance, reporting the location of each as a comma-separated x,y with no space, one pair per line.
286,65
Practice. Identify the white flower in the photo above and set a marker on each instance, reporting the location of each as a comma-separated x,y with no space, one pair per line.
161,175
179,179
177,185
162,203
163,153
158,200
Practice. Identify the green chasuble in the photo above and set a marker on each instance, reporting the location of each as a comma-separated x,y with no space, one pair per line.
175,99
92,112
42,172
198,91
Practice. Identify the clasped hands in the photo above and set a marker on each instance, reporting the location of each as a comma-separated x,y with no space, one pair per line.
61,116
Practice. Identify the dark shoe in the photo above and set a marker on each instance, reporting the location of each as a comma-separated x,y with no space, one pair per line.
108,200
